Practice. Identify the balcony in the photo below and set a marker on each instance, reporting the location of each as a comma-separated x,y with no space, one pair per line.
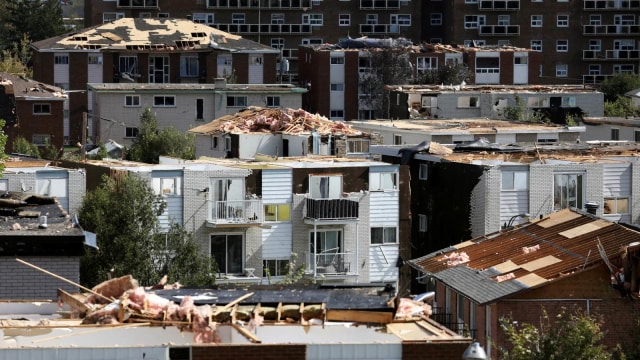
379,29
593,79
623,54
499,5
459,327
611,30
331,263
265,29
599,5
592,55
332,209
259,4
499,30
137,4
238,212
379,4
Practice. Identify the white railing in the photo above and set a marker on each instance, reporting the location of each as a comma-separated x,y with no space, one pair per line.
236,212
331,262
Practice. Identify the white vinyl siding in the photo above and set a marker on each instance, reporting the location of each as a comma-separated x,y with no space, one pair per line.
54,184
277,189
383,212
616,181
169,185
514,193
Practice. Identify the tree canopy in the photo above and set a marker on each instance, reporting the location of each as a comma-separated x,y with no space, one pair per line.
617,85
123,212
38,20
151,142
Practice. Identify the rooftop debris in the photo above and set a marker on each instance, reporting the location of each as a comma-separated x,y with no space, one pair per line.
268,120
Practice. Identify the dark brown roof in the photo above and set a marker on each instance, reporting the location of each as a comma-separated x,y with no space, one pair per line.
22,88
498,265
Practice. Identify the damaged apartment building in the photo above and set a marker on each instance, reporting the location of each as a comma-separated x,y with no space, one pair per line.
326,70
269,133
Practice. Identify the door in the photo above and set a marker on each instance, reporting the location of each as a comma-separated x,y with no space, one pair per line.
226,249
159,69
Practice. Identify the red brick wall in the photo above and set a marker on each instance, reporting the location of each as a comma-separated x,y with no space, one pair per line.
43,67
30,124
249,352
506,68
270,62
433,351
241,67
351,82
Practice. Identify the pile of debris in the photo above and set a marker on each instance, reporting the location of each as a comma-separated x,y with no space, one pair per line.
287,121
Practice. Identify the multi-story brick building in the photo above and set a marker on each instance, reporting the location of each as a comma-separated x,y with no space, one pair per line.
154,51
582,42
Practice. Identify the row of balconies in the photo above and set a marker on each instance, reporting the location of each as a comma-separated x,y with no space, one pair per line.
499,30
611,5
260,4
611,55
252,211
611,29
264,28
499,5
137,4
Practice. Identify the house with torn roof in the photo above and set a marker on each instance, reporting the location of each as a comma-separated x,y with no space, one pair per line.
149,51
37,229
31,110
415,131
467,190
554,103
611,130
259,132
117,106
563,260
342,220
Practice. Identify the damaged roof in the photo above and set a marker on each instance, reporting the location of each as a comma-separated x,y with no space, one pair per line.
151,34
563,244
366,42
498,89
273,120
194,87
26,89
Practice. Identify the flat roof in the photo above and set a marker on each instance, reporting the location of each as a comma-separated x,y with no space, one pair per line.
195,87
466,126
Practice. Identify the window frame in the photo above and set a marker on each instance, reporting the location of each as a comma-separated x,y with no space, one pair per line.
165,103
234,101
41,109
344,19
562,202
562,20
537,20
422,223
385,181
131,132
562,45
388,235
281,212
132,101
187,69
272,101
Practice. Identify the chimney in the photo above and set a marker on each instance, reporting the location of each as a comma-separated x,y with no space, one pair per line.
42,223
591,207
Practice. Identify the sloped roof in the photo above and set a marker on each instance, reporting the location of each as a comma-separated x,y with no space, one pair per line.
26,89
151,34
635,93
271,120
494,266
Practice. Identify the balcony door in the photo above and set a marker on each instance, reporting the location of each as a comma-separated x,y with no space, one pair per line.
228,197
159,69
327,247
325,187
226,249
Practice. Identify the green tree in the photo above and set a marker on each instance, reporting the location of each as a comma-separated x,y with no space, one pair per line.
621,107
15,60
24,147
152,142
447,74
619,84
38,20
123,212
568,336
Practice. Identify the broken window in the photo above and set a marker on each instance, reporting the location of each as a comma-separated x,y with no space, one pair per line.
326,246
325,187
381,181
468,102
616,205
128,64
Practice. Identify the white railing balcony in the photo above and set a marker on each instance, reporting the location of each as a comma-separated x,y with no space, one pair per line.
137,4
379,29
236,212
345,208
499,30
611,29
623,54
331,262
594,79
611,5
379,4
264,28
500,5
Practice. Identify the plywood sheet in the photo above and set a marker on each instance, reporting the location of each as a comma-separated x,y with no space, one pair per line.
464,244
531,280
534,265
558,218
506,267
586,228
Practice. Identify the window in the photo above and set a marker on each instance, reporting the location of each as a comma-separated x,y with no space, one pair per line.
504,20
344,19
616,205
475,43
567,191
130,132
189,66
337,60
436,19
594,69
473,21
371,19
423,172
562,45
41,109
275,267
468,102
383,181
357,146
383,235
515,180
163,15
325,187
199,109
615,134
236,101
562,21
277,212
636,135
312,41
536,20
237,18
595,44
327,247
521,60
227,250
422,223
313,19
562,70
128,64
277,43
366,114
132,100
470,1
256,60
337,87
111,16
40,139
4,185
427,63
273,101
203,18
595,20
626,19
336,114
167,185
397,139
164,101
61,59
214,142
623,69
277,19
401,19
94,59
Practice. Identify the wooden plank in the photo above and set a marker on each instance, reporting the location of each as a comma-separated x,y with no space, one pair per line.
531,280
557,218
75,303
586,228
534,265
505,267
231,304
378,317
464,244
246,333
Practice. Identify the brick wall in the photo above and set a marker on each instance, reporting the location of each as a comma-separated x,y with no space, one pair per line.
20,282
249,352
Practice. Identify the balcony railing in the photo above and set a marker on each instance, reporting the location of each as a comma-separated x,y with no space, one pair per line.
236,212
264,29
137,4
259,4
611,29
611,5
332,209
331,262
499,30
501,5
623,54
379,29
594,79
592,55
447,321
379,4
